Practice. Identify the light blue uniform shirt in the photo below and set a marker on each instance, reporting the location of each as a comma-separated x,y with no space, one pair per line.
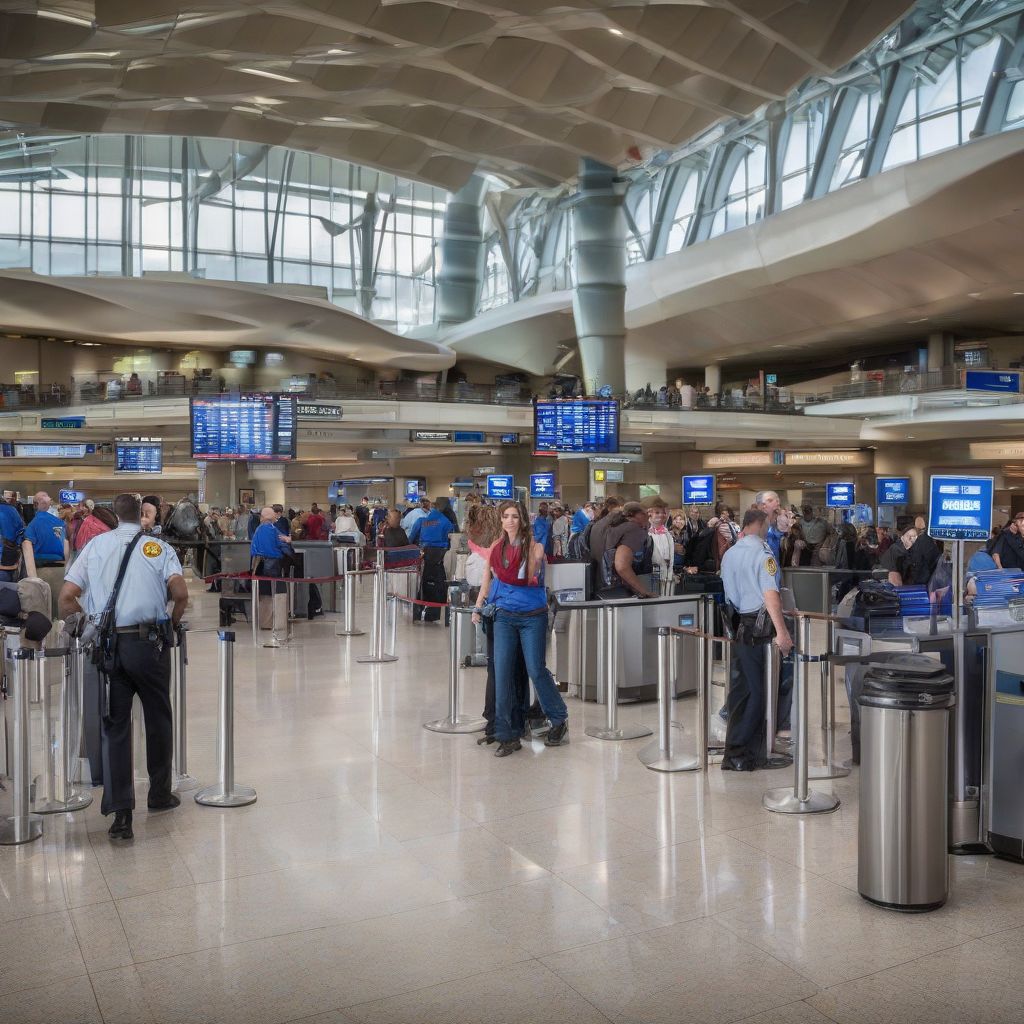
749,569
143,596
412,516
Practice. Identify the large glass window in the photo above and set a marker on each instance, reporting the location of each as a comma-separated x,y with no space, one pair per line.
745,196
850,165
806,125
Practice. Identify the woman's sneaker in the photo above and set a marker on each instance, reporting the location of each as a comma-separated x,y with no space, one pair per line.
557,735
508,747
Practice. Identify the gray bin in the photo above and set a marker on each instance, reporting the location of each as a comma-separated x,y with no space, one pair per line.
902,860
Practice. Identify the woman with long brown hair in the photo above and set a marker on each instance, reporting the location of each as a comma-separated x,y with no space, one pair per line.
513,585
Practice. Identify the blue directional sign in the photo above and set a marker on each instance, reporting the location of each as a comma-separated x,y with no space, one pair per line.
892,490
840,495
960,507
501,487
699,490
412,490
70,497
469,436
1006,382
64,423
542,485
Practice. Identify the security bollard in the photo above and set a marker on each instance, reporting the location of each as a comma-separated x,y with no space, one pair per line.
183,782
659,755
349,591
62,736
377,654
772,670
226,793
829,768
22,826
800,798
608,641
456,722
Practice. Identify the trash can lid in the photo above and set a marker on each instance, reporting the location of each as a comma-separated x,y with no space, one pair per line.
907,680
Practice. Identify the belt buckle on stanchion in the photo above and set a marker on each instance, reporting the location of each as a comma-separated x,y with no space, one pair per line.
22,826
226,792
800,798
456,722
608,642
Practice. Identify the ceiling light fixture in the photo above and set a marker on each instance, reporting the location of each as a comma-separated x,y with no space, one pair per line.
191,99
337,120
615,31
81,55
268,74
265,101
248,110
71,19
340,53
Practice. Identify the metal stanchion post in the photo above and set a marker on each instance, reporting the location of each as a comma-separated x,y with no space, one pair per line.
254,589
707,608
456,722
22,826
829,768
183,782
658,755
392,619
800,798
610,665
290,590
349,592
61,739
226,792
772,668
377,653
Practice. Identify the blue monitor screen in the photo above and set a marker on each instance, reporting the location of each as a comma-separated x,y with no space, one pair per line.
892,490
960,507
542,485
501,486
839,495
699,490
259,427
70,497
576,425
138,457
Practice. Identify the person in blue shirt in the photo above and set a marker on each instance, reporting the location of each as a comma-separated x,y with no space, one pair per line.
46,539
414,513
581,520
12,533
268,551
542,528
431,532
768,502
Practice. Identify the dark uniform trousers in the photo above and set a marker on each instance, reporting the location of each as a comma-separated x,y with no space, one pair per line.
142,667
745,734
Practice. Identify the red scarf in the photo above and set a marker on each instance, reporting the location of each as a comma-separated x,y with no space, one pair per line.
508,574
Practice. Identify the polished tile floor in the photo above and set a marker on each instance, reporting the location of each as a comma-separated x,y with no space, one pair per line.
389,875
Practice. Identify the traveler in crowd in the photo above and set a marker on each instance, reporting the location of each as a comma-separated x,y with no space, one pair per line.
99,520
1008,550
867,546
150,516
884,539
483,528
628,553
924,555
45,540
664,544
316,524
897,560
692,524
594,536
542,527
346,521
727,534
750,578
559,531
281,521
814,527
795,549
140,651
241,523
583,517
514,586
432,534
298,526
444,506
12,532
414,512
393,536
768,503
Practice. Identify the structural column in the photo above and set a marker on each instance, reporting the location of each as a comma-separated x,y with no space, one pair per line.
462,255
599,300
940,350
713,378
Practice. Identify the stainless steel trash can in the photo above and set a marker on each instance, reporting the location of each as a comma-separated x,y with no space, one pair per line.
902,861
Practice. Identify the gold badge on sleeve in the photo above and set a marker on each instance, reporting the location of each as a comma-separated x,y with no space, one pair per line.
771,566
151,549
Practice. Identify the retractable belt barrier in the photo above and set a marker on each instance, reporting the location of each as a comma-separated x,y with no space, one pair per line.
183,782
22,826
455,721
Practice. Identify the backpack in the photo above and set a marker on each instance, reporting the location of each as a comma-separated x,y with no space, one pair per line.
579,545
701,550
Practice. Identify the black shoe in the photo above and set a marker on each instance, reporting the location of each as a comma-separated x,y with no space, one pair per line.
527,733
557,735
508,747
775,761
169,802
737,764
487,738
122,827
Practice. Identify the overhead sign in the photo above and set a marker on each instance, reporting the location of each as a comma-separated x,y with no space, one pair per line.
600,475
1006,382
840,495
737,460
542,485
469,437
412,490
960,507
614,476
65,423
310,411
501,487
70,497
827,458
510,439
771,378
15,450
996,451
431,436
699,490
892,490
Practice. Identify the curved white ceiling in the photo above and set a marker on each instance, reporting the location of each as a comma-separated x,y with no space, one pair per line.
433,89
178,311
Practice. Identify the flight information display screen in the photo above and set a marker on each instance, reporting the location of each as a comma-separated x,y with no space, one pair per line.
258,427
576,425
138,457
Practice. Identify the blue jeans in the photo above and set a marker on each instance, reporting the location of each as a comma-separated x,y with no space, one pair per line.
530,633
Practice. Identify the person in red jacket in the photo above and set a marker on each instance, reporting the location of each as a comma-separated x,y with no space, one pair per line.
316,525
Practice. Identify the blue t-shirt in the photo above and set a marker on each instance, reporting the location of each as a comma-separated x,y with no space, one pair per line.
774,540
432,530
47,534
511,598
267,542
542,532
580,521
12,526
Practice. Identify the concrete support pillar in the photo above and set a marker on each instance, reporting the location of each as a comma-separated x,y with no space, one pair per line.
713,378
462,255
941,348
599,300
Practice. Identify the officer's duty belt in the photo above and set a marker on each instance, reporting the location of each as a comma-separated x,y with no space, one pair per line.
142,629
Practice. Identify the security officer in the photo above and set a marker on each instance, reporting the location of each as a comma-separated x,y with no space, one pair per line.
751,588
141,655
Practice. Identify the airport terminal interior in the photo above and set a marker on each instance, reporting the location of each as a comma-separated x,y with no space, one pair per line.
578,458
